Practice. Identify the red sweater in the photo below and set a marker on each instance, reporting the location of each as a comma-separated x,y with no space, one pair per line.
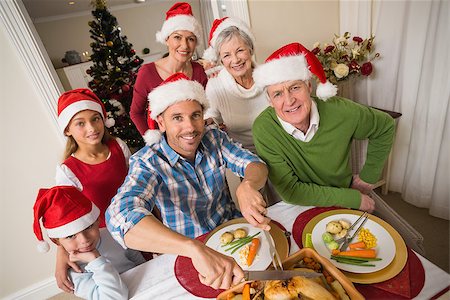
101,181
147,79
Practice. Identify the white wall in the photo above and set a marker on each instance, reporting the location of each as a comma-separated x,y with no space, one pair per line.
29,152
277,23
139,23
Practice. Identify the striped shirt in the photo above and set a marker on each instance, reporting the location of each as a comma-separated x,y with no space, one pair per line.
193,197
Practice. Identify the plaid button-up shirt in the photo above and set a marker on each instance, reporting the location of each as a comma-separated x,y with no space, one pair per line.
193,198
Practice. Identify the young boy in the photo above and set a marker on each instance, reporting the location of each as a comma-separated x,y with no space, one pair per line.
71,220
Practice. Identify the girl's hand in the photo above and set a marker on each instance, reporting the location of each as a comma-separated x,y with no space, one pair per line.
62,265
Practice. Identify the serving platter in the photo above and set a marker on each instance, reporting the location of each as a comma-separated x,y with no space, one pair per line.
395,267
290,261
263,258
385,243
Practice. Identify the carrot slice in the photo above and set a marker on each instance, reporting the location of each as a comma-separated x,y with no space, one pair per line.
357,245
335,251
370,253
252,251
246,292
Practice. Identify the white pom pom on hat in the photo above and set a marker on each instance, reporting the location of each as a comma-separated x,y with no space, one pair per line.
174,89
293,62
218,26
179,17
64,211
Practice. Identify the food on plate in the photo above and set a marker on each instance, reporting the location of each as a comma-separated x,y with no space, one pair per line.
357,245
367,253
240,233
334,227
341,234
308,241
364,257
248,253
226,238
344,224
329,241
237,244
367,237
253,249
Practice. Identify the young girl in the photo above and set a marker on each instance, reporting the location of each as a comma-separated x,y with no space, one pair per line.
94,162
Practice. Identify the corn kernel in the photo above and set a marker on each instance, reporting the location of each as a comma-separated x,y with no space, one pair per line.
367,237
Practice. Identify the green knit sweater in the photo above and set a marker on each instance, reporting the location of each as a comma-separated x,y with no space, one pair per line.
318,172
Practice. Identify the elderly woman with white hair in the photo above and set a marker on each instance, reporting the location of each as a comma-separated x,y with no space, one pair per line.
234,98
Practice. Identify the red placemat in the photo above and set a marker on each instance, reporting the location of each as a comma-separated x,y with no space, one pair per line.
405,285
187,275
303,219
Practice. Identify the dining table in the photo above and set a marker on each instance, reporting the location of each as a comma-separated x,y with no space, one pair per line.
156,278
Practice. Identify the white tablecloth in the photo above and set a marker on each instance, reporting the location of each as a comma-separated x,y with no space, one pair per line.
155,279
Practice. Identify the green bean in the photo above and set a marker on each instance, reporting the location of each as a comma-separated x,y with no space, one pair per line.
241,242
352,262
357,258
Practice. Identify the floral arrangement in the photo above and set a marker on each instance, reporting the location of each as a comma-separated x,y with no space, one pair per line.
346,57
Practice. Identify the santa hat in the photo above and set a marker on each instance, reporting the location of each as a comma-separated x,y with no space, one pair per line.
72,102
176,88
64,211
179,17
293,62
218,26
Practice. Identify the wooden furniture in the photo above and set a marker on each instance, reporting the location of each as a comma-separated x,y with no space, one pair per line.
75,76
358,157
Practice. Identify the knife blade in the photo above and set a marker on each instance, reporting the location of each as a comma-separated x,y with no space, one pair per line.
278,274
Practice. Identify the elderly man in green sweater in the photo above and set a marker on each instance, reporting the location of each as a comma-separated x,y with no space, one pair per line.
306,140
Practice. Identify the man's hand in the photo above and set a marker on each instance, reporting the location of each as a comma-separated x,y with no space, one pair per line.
367,203
252,205
360,185
215,269
62,265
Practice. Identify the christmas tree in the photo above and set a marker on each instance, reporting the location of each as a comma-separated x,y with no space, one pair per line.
114,72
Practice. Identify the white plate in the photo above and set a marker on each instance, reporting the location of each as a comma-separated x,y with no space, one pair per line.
262,259
385,243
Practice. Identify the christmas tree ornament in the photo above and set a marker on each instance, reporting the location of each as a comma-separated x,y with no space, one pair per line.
114,72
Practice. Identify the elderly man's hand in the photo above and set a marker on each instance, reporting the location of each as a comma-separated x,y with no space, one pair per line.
367,203
360,185
252,205
215,269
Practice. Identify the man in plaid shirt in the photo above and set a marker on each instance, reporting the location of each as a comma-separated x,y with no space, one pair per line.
182,173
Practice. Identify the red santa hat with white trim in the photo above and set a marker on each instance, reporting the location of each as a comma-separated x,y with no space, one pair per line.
218,26
64,211
179,17
174,89
293,62
72,102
